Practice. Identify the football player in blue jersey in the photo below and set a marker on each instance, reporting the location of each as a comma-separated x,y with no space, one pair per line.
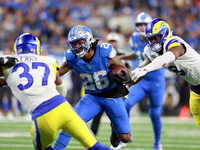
149,85
114,39
92,61
173,53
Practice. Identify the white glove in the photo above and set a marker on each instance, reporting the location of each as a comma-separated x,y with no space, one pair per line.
138,72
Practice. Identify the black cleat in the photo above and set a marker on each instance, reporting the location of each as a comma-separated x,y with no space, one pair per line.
114,139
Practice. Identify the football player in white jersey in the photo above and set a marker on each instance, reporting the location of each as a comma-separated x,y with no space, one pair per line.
35,81
173,53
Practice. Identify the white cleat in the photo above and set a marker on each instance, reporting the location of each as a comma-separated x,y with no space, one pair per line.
10,116
121,145
1,116
157,146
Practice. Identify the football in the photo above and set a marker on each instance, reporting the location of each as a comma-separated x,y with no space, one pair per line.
117,69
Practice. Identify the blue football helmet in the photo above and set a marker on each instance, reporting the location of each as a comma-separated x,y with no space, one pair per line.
142,18
77,33
27,43
157,28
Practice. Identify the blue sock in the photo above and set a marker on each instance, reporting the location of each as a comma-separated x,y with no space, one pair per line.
62,141
99,146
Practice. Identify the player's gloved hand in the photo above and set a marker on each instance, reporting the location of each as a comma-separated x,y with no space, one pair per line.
122,79
8,61
138,72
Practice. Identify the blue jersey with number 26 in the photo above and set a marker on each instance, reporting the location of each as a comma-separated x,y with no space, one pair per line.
95,74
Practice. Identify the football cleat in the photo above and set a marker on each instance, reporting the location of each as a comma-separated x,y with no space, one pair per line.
78,33
1,116
121,145
27,43
114,139
157,146
159,30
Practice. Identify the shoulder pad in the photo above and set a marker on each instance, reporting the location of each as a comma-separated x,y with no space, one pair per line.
135,34
105,49
69,55
171,42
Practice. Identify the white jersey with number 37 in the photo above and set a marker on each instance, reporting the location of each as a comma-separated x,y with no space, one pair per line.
32,79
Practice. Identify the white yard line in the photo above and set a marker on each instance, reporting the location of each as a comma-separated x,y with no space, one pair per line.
15,134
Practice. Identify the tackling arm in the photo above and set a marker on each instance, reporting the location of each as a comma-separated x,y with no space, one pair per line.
171,55
144,63
158,63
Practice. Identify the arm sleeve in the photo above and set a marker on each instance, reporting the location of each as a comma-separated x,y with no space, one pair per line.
62,89
160,61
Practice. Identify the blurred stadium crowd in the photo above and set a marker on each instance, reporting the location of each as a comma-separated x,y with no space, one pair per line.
51,20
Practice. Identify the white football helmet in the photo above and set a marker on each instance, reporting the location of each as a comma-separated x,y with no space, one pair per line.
113,36
142,18
77,33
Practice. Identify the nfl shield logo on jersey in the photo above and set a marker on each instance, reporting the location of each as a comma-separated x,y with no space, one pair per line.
89,67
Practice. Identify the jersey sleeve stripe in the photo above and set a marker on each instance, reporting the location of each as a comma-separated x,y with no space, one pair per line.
172,43
55,67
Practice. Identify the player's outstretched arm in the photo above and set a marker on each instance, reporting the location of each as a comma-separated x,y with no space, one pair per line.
158,63
144,63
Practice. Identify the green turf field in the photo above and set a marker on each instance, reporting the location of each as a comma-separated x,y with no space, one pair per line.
177,134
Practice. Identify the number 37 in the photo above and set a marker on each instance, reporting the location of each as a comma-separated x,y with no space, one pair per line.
26,74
